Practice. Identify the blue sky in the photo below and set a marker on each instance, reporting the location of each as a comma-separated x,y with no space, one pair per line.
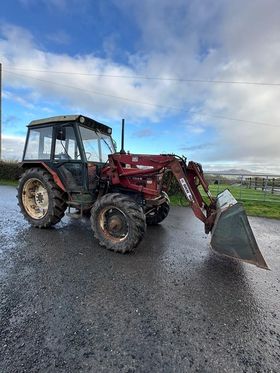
46,44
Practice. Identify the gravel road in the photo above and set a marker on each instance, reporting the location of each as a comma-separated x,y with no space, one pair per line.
68,305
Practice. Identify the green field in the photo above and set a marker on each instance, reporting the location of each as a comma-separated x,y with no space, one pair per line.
243,193
255,202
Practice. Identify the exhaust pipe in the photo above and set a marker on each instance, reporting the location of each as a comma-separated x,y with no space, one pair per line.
122,151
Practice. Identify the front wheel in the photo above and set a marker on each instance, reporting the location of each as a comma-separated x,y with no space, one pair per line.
158,214
118,222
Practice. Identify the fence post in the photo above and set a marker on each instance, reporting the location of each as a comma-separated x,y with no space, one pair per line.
272,186
265,190
240,192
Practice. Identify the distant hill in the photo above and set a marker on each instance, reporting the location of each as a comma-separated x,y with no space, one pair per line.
232,171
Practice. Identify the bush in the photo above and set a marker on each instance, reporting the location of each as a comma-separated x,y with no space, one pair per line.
10,170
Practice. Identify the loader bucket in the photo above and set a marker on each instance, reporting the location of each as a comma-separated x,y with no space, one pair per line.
232,235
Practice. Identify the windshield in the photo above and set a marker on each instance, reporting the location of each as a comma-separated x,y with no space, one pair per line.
97,145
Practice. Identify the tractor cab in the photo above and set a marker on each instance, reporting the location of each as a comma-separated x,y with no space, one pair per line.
73,147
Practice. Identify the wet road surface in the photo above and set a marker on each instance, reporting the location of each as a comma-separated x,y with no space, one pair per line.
68,305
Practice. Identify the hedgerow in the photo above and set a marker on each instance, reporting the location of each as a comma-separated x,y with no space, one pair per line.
10,170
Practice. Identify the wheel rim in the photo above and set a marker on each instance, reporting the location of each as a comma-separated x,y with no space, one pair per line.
35,198
113,223
152,212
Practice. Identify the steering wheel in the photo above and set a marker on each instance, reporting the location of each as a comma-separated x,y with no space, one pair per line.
88,155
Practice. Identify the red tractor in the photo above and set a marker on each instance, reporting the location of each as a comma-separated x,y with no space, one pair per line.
71,161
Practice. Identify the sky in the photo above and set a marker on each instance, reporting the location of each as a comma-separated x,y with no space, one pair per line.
171,69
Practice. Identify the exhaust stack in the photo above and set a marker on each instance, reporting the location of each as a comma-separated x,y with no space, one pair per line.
122,151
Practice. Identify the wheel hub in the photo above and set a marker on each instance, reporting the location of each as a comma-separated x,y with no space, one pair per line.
41,197
35,198
114,224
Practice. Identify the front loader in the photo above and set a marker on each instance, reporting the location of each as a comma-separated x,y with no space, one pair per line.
71,162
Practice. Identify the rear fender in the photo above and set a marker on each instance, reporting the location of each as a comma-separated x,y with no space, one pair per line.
54,174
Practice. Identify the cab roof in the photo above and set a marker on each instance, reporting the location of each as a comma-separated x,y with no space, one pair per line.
88,122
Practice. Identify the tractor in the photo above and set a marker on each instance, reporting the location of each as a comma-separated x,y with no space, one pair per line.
70,162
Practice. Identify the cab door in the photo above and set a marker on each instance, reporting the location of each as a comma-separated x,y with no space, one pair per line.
67,156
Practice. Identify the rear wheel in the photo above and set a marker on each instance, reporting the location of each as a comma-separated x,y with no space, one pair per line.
41,201
118,222
158,214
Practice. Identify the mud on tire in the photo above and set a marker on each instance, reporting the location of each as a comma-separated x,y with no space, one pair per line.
158,215
40,200
118,222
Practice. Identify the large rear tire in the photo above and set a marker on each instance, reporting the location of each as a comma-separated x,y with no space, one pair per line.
118,222
157,215
40,200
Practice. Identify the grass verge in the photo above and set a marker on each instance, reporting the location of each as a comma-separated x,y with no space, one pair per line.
263,209
8,182
252,208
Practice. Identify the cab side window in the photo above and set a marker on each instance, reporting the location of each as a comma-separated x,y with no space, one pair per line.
39,144
66,147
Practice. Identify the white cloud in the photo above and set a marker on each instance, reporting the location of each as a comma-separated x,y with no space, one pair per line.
233,41
12,147
219,40
19,50
59,37
17,98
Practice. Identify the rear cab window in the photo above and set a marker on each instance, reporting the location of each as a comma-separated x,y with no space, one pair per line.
39,144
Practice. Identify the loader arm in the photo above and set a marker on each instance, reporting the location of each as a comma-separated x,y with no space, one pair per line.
189,178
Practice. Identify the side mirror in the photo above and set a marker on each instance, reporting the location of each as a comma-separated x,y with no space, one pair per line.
61,134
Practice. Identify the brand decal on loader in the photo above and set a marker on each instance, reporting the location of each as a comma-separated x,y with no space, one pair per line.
186,189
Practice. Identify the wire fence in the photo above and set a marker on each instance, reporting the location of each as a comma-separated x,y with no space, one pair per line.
244,187
250,187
